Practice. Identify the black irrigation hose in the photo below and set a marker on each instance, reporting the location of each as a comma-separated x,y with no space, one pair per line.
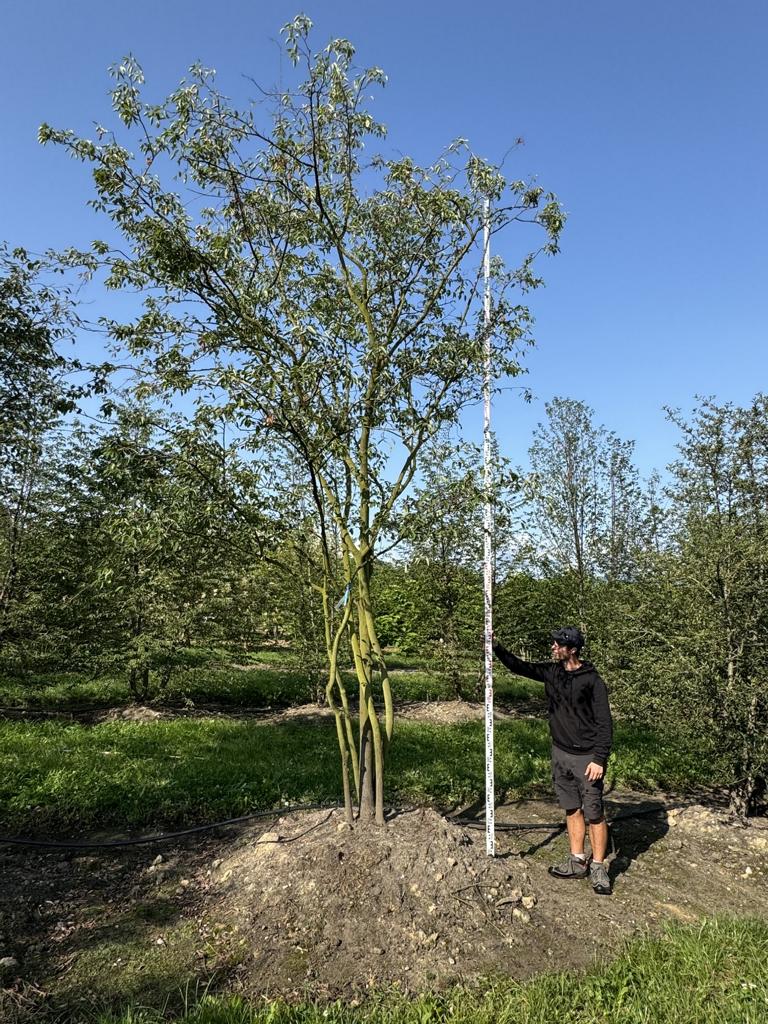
107,844
53,844
519,827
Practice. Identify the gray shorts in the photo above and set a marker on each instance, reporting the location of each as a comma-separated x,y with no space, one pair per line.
572,788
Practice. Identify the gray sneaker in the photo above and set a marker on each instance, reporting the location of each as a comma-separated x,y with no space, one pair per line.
598,876
571,867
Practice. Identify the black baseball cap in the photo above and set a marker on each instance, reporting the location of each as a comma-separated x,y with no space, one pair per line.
569,636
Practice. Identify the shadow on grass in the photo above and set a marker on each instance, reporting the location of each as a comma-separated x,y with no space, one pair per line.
94,932
147,954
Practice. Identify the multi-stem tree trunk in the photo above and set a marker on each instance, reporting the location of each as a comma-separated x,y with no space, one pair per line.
363,759
334,632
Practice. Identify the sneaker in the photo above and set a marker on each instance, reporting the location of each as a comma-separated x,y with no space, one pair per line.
598,876
571,867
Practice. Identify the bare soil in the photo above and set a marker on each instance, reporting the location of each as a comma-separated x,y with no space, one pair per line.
307,906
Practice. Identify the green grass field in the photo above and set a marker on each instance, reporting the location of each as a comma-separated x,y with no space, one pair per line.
60,776
265,679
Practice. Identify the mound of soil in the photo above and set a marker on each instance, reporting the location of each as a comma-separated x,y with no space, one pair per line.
321,908
416,903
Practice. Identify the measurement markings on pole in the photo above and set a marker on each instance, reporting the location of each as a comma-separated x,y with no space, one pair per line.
490,818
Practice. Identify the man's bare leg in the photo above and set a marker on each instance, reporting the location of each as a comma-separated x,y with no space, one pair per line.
598,839
576,831
598,835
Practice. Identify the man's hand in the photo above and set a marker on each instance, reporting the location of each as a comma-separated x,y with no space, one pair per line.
594,771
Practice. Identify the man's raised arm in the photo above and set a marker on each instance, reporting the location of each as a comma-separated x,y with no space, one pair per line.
540,671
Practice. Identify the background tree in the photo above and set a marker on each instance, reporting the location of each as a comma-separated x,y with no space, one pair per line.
588,515
36,317
716,620
325,302
442,527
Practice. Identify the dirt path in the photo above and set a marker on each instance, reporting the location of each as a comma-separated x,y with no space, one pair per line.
306,905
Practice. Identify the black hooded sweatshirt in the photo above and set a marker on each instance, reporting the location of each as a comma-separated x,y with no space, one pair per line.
579,715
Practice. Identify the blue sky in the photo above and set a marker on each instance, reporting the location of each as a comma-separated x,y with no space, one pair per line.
647,119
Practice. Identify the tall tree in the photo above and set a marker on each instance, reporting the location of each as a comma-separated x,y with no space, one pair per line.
587,509
325,300
442,526
36,316
720,497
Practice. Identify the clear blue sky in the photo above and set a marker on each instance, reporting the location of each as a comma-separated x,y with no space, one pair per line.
647,119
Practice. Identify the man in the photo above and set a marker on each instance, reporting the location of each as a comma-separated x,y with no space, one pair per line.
581,729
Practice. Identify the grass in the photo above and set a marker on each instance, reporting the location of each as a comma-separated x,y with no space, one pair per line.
281,685
713,973
62,689
246,686
60,776
136,953
129,964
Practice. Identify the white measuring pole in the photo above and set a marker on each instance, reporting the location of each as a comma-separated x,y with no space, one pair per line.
490,813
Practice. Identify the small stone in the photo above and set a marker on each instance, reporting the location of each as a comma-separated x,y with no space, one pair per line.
529,902
378,951
451,960
522,915
438,876
514,897
747,871
268,837
343,826
452,862
184,883
160,941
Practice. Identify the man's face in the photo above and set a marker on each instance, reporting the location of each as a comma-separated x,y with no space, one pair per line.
560,652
